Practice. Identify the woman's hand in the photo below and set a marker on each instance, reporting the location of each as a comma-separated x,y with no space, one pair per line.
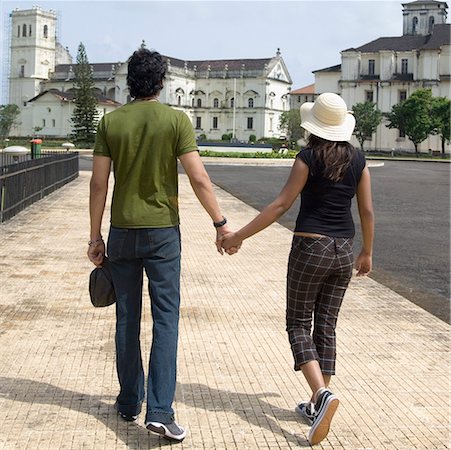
363,264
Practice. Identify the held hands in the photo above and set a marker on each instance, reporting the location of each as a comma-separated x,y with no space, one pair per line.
228,241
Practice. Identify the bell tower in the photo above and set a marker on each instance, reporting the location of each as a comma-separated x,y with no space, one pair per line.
33,49
420,16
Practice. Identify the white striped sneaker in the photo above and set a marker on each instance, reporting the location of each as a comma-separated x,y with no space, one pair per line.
171,431
307,411
325,406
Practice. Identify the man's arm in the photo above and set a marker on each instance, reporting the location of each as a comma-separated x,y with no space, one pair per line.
202,187
98,190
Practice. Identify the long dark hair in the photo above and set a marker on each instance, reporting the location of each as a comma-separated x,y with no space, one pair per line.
333,156
146,72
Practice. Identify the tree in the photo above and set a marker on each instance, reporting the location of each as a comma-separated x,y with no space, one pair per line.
85,115
414,116
8,118
291,122
441,107
367,118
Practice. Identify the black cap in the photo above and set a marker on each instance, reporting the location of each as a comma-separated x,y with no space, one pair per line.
101,287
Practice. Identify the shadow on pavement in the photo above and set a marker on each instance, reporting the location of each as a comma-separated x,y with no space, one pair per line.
251,408
30,391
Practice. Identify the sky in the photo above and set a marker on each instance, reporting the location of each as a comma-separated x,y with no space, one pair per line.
310,34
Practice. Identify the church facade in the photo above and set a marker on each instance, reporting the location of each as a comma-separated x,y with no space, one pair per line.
241,97
388,70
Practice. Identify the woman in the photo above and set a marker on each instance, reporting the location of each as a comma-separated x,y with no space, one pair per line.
327,174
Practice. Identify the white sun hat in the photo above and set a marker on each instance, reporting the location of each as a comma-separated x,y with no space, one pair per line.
328,118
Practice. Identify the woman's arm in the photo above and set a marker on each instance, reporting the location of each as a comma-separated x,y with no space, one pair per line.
365,205
294,185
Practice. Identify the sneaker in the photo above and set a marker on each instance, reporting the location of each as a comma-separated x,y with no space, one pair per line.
325,406
307,411
171,431
123,416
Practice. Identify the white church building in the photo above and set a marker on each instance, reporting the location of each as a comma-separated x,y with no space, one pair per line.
389,69
242,97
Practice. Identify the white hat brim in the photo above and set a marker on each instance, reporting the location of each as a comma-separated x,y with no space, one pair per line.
342,132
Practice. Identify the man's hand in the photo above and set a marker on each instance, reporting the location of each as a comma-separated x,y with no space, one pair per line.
220,233
231,243
96,253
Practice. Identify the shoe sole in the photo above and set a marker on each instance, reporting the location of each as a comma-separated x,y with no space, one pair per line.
321,427
162,432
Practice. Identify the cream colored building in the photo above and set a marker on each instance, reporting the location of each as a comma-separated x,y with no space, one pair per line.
243,97
389,69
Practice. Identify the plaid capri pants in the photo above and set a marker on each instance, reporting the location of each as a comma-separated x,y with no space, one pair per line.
319,271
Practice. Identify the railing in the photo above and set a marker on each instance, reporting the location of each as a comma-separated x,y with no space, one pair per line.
24,182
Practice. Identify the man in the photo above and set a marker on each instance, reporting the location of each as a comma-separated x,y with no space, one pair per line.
144,139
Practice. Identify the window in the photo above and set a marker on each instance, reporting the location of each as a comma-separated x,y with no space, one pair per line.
43,123
415,25
216,103
46,31
179,100
271,103
270,124
29,30
199,103
22,71
431,24
371,66
215,123
53,123
402,96
198,123
250,103
404,66
24,31
18,30
299,99
402,134
250,123
369,96
232,102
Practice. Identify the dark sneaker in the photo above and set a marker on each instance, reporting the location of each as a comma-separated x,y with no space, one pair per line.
171,431
123,416
307,411
325,407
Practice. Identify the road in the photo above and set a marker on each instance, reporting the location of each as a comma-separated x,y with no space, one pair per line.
411,201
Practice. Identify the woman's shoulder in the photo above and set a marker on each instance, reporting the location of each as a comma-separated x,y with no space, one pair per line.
305,155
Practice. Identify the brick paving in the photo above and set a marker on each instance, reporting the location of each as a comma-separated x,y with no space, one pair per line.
236,384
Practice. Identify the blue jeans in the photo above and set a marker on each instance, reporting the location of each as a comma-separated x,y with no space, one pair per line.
157,251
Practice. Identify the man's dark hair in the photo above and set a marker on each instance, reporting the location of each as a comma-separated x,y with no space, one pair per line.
146,71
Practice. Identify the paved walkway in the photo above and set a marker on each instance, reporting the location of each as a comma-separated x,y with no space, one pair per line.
236,386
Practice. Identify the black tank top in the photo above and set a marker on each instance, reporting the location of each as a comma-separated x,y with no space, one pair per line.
325,204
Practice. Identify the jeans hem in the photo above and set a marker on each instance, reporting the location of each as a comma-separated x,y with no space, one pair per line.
161,417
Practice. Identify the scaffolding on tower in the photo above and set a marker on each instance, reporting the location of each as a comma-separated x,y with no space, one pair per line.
5,56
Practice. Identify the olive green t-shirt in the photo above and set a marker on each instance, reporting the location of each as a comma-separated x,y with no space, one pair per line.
144,139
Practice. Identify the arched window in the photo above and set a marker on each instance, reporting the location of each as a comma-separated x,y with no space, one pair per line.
431,24
232,102
199,103
250,103
24,31
215,103
29,30
46,31
414,25
179,100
